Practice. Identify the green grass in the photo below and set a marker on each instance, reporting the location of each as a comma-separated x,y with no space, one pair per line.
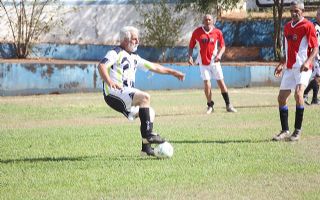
73,146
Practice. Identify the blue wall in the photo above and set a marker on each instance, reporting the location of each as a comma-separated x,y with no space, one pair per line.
256,33
42,78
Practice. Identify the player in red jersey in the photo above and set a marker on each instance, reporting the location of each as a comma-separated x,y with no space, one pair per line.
208,37
301,47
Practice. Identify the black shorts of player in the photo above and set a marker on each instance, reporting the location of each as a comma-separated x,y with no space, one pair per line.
116,103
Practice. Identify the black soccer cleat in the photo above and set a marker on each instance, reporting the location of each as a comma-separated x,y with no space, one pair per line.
153,139
315,102
147,150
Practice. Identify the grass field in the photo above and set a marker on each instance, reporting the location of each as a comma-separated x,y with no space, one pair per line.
72,146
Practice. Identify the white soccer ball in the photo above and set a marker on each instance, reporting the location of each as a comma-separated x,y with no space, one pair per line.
164,150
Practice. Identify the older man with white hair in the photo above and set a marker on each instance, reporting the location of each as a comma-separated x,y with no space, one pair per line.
117,70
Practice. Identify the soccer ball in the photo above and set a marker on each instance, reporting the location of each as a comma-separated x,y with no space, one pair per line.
164,150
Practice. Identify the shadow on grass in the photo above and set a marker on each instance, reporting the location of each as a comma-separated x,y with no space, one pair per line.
44,159
218,141
258,106
134,157
62,159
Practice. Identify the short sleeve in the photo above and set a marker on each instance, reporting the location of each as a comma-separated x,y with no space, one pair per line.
143,64
312,36
110,58
192,42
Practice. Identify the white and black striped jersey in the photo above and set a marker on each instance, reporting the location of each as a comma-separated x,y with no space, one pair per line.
122,66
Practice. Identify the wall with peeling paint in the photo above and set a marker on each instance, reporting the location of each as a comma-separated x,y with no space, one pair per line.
91,28
235,33
37,78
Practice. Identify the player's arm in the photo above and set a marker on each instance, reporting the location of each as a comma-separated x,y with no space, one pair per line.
279,68
154,67
313,41
103,67
190,59
222,48
165,70
192,44
220,53
306,65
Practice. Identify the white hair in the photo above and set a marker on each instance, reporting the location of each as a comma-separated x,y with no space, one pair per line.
125,32
299,4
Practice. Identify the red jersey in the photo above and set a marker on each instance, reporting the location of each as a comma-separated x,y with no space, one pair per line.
299,39
207,42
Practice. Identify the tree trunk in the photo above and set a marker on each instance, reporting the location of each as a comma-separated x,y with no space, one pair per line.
277,20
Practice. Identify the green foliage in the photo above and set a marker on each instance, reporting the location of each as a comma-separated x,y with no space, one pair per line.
27,20
205,6
161,25
73,146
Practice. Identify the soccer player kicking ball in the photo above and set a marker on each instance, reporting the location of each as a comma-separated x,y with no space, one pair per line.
301,47
117,70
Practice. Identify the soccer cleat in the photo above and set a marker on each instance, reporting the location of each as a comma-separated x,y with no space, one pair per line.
209,110
210,107
230,108
147,150
281,136
315,102
153,139
295,135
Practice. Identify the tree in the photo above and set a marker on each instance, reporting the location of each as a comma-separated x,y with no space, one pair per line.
162,25
277,9
205,6
27,20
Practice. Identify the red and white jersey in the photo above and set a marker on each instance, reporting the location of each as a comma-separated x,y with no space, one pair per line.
207,42
299,39
317,27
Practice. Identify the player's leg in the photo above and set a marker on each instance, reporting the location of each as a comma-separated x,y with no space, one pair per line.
218,75
287,83
306,92
301,80
147,116
119,100
311,86
316,75
315,91
299,112
208,94
206,77
284,114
